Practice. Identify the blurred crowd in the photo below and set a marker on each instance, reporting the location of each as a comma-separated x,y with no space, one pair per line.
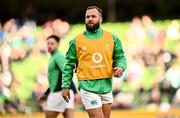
152,78
19,41
151,81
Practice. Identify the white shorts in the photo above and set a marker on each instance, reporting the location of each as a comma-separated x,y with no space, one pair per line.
93,100
56,102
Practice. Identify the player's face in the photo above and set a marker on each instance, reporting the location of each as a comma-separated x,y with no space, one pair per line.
52,45
92,19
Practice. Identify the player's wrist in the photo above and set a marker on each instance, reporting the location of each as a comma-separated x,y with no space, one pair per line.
45,94
65,88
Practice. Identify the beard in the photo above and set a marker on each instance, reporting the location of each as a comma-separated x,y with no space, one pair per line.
51,51
93,28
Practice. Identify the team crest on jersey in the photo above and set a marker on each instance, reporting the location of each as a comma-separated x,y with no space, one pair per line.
84,48
107,46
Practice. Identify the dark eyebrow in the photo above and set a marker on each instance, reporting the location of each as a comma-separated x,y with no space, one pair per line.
91,15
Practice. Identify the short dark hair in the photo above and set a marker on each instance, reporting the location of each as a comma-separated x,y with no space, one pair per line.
57,38
95,7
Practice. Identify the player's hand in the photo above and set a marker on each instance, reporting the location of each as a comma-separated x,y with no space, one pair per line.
42,98
118,72
66,94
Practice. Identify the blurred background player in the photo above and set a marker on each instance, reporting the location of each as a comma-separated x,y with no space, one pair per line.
55,102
